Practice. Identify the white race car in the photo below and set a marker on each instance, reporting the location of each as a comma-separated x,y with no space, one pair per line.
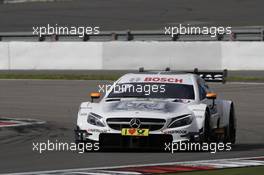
148,108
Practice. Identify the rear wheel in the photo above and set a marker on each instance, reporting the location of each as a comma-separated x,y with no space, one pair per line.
230,130
207,129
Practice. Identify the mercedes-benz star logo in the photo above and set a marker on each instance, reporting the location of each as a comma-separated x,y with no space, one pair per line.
135,123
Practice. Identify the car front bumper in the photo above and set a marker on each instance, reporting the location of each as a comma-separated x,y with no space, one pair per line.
153,140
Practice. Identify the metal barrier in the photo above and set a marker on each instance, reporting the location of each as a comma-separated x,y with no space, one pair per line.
238,34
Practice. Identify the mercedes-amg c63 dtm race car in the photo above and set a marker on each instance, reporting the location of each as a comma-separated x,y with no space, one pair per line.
175,106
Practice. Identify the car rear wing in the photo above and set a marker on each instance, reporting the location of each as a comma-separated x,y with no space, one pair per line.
212,76
208,76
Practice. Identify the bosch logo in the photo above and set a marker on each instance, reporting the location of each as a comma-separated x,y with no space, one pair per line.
163,79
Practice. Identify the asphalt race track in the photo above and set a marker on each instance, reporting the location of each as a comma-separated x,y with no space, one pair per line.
132,14
57,103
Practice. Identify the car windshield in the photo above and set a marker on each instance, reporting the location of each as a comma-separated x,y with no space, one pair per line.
152,90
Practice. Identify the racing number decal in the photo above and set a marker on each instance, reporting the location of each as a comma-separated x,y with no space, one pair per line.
134,132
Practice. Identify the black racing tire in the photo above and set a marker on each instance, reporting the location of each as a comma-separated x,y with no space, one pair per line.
207,132
77,138
81,142
230,130
232,127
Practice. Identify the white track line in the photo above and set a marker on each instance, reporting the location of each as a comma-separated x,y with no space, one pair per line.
122,172
88,173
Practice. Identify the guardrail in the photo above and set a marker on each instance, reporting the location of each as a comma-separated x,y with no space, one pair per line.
238,34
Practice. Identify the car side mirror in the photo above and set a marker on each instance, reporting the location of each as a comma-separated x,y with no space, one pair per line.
95,95
211,95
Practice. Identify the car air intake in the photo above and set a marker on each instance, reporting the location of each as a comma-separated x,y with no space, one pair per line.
152,124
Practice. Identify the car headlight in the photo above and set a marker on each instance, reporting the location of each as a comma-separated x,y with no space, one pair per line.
95,119
180,121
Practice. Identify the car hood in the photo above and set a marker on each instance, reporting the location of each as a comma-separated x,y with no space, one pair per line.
142,108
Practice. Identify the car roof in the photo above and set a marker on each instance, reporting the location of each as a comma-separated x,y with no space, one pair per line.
158,77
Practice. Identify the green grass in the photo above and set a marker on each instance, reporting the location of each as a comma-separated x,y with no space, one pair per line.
246,79
110,76
234,171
